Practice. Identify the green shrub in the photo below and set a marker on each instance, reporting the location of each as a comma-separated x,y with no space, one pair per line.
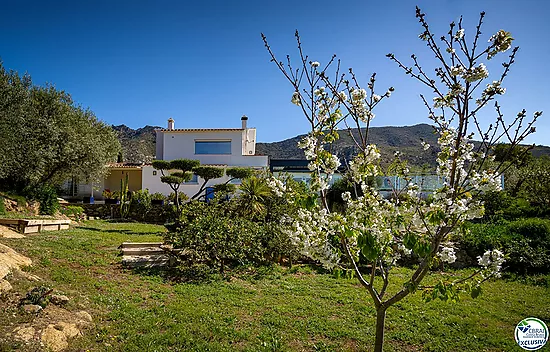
47,197
140,203
211,237
2,208
481,237
158,196
536,231
501,205
529,252
525,242
72,210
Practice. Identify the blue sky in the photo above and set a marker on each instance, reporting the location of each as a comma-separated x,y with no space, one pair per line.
203,63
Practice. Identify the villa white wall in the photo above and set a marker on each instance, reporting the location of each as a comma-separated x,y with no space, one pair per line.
153,184
181,145
159,145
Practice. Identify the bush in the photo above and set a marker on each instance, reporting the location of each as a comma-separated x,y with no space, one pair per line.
211,237
47,197
526,243
501,205
529,253
536,231
73,210
140,203
481,237
158,196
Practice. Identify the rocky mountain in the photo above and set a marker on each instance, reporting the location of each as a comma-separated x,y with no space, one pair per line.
389,139
139,145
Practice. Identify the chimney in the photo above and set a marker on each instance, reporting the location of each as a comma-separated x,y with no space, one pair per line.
244,119
171,124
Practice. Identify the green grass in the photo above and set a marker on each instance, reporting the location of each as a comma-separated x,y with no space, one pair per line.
281,310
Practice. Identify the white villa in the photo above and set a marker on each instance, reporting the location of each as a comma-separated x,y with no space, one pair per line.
223,147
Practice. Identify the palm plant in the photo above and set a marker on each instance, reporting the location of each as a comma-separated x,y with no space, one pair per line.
254,192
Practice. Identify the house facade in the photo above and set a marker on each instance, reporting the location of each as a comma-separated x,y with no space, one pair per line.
220,147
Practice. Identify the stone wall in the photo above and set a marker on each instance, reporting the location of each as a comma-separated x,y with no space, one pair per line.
156,214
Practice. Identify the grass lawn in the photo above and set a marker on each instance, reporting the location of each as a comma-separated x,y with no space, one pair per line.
279,310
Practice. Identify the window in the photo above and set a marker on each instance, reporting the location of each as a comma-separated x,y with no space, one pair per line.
193,180
212,147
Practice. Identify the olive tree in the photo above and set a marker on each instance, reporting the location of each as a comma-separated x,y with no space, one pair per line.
47,138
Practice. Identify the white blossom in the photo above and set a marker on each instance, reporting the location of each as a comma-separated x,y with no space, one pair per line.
477,73
447,255
425,145
490,91
492,261
315,64
459,34
457,70
358,94
502,41
296,100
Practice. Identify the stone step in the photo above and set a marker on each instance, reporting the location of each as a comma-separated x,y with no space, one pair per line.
142,251
145,260
140,244
160,264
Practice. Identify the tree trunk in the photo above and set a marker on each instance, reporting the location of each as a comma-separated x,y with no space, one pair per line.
380,321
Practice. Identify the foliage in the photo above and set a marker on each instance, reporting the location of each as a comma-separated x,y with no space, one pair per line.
46,138
46,196
207,173
2,206
107,194
174,180
214,240
239,173
231,232
158,196
225,188
503,205
140,202
535,189
72,210
182,197
254,192
380,229
525,242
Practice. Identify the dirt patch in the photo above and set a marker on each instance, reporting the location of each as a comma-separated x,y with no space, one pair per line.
6,232
53,327
21,329
11,261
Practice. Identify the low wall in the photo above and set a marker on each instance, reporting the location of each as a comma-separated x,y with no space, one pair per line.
156,214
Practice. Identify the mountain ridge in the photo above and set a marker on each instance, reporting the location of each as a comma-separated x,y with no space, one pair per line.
138,145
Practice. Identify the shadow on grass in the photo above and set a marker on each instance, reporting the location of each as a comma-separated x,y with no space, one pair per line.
168,274
250,273
125,231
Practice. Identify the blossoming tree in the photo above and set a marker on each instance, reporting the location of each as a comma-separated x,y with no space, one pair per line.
379,229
